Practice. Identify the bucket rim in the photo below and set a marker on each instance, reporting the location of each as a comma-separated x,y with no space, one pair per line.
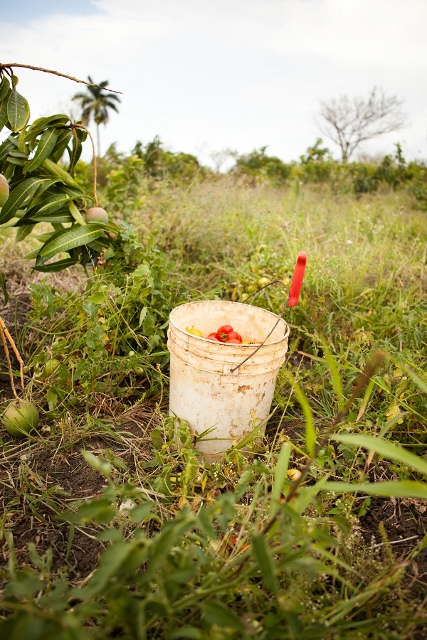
239,304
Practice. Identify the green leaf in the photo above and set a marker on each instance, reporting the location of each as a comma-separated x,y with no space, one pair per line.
403,489
23,232
62,215
215,612
47,184
386,449
141,511
4,88
59,265
44,149
57,171
336,380
3,114
18,196
280,474
265,562
33,254
6,147
61,145
44,122
3,287
67,239
310,431
19,154
97,463
53,203
76,214
18,110
190,633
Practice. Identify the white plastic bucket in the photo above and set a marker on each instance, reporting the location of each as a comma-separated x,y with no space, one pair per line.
204,389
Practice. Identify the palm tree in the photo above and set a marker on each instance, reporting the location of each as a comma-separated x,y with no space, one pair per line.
95,103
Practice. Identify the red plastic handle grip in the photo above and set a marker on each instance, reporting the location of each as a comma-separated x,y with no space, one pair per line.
297,279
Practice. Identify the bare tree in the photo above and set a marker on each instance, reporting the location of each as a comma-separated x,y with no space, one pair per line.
350,121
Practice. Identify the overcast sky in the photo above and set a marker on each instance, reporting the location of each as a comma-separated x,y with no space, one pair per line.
206,75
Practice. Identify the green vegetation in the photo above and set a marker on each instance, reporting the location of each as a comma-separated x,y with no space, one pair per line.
237,549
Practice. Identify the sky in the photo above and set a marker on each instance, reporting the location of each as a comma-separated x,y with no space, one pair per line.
209,75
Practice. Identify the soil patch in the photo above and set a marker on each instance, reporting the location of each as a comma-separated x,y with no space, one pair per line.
404,522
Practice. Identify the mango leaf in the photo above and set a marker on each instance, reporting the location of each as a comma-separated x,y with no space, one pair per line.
59,265
54,169
61,144
402,489
5,148
23,232
44,149
75,192
47,184
18,196
41,124
67,239
18,154
265,562
44,237
18,110
4,88
44,122
53,203
17,161
61,216
74,153
21,142
33,254
3,114
386,449
76,214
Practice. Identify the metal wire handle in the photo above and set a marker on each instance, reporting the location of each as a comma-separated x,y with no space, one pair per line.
267,337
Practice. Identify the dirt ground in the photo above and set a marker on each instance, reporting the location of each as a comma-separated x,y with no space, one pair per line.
405,524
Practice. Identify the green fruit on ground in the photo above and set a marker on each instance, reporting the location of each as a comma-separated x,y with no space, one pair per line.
4,190
50,367
21,418
96,214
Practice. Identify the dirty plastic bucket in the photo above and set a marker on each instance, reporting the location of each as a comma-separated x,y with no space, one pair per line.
204,389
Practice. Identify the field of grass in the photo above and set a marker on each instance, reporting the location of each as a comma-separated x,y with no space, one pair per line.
113,527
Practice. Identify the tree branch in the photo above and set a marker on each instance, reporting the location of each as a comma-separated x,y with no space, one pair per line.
9,66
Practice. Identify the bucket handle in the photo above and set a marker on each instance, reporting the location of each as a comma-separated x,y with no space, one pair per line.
262,343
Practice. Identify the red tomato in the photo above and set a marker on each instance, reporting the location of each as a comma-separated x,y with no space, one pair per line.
213,337
226,328
223,332
233,335
234,341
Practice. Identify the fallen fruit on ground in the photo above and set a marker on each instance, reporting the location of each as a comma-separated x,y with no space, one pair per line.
294,474
21,418
50,367
4,190
97,214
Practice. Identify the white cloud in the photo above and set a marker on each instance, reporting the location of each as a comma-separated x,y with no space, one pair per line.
230,73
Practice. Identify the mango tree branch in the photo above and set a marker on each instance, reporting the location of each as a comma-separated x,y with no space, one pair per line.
9,66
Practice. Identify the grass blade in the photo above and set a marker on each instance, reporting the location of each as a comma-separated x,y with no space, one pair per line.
386,449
